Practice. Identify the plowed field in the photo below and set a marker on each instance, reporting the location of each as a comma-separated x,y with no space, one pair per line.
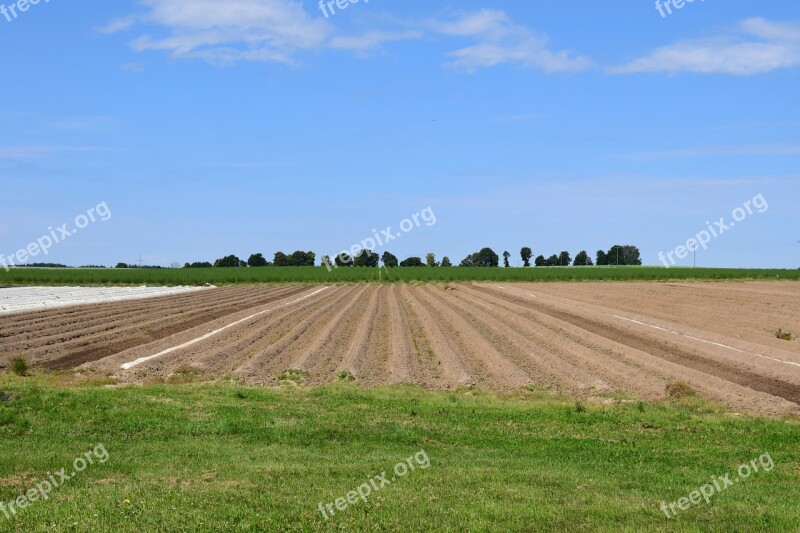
588,340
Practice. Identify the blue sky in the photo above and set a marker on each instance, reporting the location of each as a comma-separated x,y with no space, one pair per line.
211,127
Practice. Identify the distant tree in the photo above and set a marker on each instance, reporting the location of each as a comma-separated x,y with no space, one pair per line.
470,261
446,262
257,260
230,261
125,265
564,259
389,260
174,264
430,260
602,258
326,261
280,259
301,258
367,258
487,258
541,261
506,255
343,260
582,259
412,262
624,256
526,254
552,261
205,264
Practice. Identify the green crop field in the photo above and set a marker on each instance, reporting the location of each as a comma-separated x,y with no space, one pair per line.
224,457
226,276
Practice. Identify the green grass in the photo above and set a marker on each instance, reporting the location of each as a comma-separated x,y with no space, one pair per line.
225,276
224,457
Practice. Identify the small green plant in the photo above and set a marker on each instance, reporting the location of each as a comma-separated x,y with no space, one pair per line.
640,407
580,407
148,330
19,366
241,395
679,389
784,335
294,377
346,376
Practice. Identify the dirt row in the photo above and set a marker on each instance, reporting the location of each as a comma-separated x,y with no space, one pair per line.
589,340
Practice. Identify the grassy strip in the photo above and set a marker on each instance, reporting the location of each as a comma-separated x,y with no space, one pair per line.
223,457
225,276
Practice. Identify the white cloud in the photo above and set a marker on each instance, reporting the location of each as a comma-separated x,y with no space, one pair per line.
500,41
236,30
24,152
775,149
373,39
759,46
116,25
276,30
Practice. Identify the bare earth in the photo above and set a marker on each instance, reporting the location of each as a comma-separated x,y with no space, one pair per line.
587,340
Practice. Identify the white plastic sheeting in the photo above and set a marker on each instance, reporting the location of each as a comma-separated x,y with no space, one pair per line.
21,299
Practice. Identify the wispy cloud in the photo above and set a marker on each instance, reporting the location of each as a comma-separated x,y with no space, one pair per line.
25,152
774,149
83,123
500,41
227,32
222,33
522,117
116,25
373,39
757,46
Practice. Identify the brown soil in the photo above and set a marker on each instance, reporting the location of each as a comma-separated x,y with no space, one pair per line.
588,340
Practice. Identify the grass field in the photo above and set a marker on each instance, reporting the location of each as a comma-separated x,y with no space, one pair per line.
222,457
224,276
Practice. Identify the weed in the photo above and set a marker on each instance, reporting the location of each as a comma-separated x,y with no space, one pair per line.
784,335
679,389
346,376
294,377
19,366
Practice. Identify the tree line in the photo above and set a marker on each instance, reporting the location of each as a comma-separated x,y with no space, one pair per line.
620,255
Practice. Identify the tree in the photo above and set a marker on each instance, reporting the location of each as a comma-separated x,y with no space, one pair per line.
540,261
367,258
564,259
257,260
343,260
582,259
526,254
205,264
430,260
326,262
280,260
446,262
602,258
301,258
624,256
230,261
552,261
412,262
389,260
506,255
125,265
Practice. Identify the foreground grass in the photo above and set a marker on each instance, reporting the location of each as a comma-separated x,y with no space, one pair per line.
225,276
220,457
